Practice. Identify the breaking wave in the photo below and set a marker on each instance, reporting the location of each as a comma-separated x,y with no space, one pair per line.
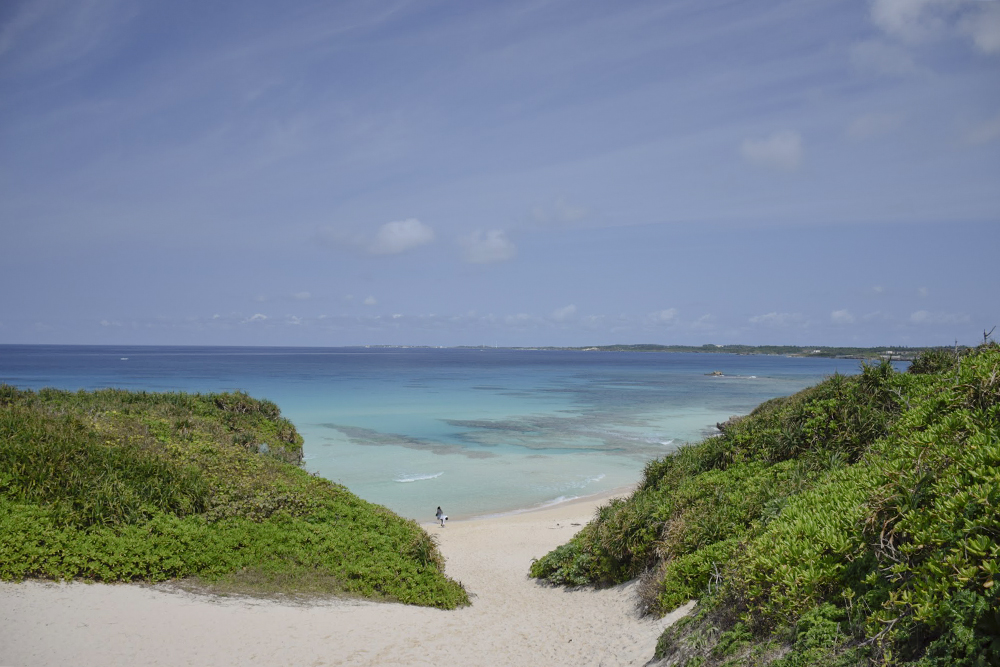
405,479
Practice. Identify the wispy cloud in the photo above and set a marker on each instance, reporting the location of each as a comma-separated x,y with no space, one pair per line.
781,150
564,314
936,318
878,57
984,26
917,21
487,247
984,132
399,236
912,20
48,34
842,317
704,323
666,316
392,238
872,125
776,319
559,212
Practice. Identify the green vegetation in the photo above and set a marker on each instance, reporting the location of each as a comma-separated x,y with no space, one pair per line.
123,486
854,523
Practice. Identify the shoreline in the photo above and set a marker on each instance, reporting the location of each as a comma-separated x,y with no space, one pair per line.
600,498
513,620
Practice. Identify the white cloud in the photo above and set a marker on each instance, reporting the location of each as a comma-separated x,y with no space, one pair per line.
775,319
564,313
704,322
878,289
257,317
301,296
926,317
842,317
560,212
915,21
51,34
983,26
876,316
487,247
881,58
370,301
399,236
664,316
872,125
912,20
520,318
781,150
984,132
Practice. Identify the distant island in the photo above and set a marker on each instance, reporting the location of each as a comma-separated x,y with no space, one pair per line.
894,353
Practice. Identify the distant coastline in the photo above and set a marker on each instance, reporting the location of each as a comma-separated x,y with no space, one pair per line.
893,353
884,352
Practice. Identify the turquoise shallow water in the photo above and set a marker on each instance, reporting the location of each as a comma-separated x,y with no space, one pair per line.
476,431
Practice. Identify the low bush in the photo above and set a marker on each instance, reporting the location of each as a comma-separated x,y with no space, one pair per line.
128,486
853,523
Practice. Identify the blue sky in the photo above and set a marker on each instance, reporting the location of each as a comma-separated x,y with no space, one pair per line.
517,173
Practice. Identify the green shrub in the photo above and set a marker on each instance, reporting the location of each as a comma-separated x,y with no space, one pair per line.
126,486
853,523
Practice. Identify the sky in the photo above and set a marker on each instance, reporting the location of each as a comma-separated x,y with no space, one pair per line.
518,173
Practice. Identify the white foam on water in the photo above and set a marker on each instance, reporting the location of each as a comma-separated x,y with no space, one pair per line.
558,501
589,480
545,505
406,479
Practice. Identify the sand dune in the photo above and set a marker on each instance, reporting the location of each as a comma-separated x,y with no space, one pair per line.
513,620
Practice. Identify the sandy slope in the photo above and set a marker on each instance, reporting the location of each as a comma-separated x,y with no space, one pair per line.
513,620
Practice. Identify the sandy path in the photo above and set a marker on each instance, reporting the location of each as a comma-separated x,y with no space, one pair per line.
512,621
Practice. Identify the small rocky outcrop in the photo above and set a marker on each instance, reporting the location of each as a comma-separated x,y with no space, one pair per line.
729,423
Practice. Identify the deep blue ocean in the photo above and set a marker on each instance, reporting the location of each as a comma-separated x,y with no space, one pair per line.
476,431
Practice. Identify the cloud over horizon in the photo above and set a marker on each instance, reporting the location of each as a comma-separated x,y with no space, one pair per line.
776,319
587,173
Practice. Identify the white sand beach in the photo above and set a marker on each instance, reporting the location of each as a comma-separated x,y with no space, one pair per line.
513,620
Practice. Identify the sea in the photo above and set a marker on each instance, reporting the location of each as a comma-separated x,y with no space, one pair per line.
476,431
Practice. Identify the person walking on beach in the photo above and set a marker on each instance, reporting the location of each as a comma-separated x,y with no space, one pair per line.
441,516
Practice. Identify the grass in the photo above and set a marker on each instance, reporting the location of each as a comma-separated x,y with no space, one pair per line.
854,523
133,486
